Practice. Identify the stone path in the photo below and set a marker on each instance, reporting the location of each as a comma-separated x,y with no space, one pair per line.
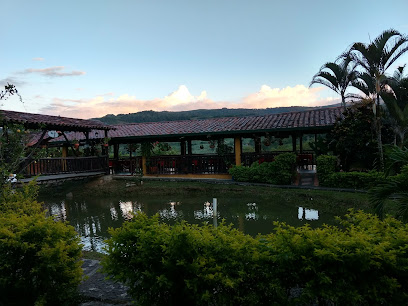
97,291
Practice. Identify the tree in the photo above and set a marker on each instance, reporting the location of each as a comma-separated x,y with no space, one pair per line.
338,77
374,59
352,139
12,141
396,101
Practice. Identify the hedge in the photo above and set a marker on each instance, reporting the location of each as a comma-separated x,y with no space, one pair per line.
278,172
355,180
326,167
39,257
362,261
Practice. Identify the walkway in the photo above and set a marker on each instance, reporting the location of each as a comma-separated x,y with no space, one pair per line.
50,179
307,177
97,291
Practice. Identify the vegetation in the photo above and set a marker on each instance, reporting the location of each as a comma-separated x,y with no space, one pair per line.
278,172
338,77
353,139
361,261
39,258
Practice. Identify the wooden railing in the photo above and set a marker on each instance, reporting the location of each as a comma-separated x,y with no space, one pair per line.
248,158
132,166
304,159
49,166
198,164
195,164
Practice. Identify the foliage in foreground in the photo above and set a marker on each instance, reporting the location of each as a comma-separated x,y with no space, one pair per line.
362,261
39,257
278,172
395,188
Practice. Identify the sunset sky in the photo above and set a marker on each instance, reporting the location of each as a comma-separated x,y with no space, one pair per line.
91,58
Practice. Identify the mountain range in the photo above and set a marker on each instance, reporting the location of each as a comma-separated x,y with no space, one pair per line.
154,116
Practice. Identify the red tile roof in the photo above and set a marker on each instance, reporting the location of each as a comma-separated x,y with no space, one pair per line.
323,118
51,122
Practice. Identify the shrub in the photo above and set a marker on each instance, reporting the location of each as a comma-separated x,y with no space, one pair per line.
39,258
355,180
188,264
325,166
362,261
278,172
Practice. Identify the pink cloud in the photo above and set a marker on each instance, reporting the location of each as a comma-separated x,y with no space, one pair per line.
181,100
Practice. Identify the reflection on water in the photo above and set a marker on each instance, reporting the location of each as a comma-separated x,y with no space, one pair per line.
91,218
307,214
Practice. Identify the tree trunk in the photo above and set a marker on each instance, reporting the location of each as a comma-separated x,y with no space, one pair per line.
379,137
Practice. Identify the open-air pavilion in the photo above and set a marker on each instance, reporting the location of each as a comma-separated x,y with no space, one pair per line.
47,128
212,136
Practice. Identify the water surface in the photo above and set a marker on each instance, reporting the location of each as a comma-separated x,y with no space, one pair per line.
92,217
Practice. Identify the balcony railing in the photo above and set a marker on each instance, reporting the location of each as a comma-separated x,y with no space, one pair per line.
60,165
195,164
304,159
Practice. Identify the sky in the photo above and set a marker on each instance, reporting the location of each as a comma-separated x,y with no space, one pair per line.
90,58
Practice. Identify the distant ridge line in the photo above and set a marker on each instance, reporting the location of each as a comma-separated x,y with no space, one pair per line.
160,116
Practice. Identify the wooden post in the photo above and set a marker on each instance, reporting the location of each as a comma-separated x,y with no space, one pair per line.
294,142
188,159
189,147
237,150
301,143
144,168
258,145
64,155
183,148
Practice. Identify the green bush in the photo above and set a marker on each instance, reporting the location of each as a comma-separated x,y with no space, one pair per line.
188,264
325,166
362,261
355,180
39,258
278,172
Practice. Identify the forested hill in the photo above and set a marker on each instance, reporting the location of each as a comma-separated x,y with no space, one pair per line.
153,116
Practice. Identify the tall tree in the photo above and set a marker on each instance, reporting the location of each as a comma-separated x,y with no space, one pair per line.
337,76
374,59
396,100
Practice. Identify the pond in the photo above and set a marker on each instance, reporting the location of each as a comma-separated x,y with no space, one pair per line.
91,217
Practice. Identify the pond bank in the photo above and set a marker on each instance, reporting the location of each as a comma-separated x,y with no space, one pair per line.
98,291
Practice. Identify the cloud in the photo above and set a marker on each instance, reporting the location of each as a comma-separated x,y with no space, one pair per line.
56,71
38,59
299,95
182,100
11,80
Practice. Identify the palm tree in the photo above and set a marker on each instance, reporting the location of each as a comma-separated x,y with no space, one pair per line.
395,188
338,77
395,97
374,59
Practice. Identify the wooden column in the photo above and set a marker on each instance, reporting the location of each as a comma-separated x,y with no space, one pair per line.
144,168
237,150
189,147
116,151
258,145
64,155
301,143
294,142
183,148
